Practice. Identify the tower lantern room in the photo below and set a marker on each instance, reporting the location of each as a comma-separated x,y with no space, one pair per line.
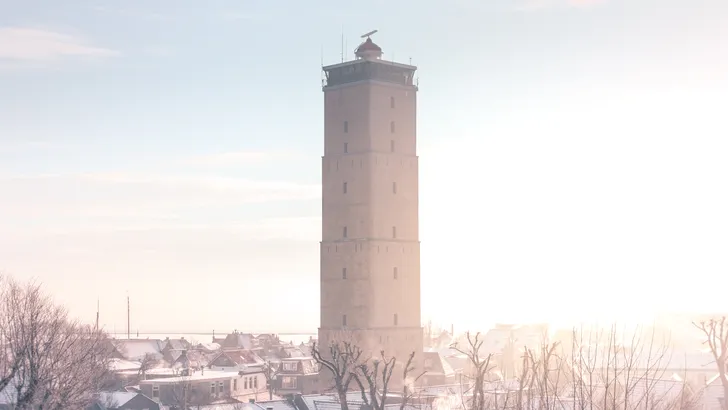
368,50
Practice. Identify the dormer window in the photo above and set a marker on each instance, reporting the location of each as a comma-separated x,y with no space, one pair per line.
290,366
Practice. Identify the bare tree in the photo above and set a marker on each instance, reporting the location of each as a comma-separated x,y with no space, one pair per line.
341,361
716,337
481,367
148,362
270,373
375,375
606,371
50,361
409,382
185,395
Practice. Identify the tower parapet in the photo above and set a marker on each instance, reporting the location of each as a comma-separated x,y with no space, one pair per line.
369,65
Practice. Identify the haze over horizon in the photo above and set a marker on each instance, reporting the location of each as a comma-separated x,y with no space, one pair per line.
572,156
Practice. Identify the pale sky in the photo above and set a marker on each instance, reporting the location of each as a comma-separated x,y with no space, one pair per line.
573,155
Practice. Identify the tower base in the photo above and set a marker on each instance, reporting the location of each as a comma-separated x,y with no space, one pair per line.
397,342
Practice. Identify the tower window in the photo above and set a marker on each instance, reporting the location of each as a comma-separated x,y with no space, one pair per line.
394,232
396,320
346,147
345,233
394,187
391,102
345,187
395,273
343,273
391,145
343,320
346,126
391,127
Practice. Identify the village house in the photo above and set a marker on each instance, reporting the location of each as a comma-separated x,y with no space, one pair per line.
191,359
204,387
123,401
438,371
237,360
298,375
711,397
137,349
237,341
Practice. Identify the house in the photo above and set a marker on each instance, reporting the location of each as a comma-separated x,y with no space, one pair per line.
237,341
118,365
257,405
266,340
711,397
293,351
137,349
176,344
298,375
190,359
208,347
236,360
204,387
122,400
438,371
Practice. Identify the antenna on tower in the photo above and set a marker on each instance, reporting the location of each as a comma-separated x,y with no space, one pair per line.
342,43
97,313
322,65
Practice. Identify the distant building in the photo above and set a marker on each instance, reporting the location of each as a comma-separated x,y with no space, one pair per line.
237,341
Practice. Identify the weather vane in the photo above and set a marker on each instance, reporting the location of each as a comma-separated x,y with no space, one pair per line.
369,34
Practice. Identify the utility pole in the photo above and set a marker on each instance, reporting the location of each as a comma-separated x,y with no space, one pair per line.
128,318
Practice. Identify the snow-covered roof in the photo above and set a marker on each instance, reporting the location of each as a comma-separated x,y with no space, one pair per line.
160,371
196,376
275,405
209,346
659,392
136,349
121,365
116,398
238,341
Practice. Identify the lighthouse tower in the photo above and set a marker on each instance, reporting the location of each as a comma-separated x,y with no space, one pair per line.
370,249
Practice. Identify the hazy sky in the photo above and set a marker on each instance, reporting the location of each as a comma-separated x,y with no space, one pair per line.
573,155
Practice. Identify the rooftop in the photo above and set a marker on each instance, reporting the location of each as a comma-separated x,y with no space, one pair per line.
196,376
117,398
